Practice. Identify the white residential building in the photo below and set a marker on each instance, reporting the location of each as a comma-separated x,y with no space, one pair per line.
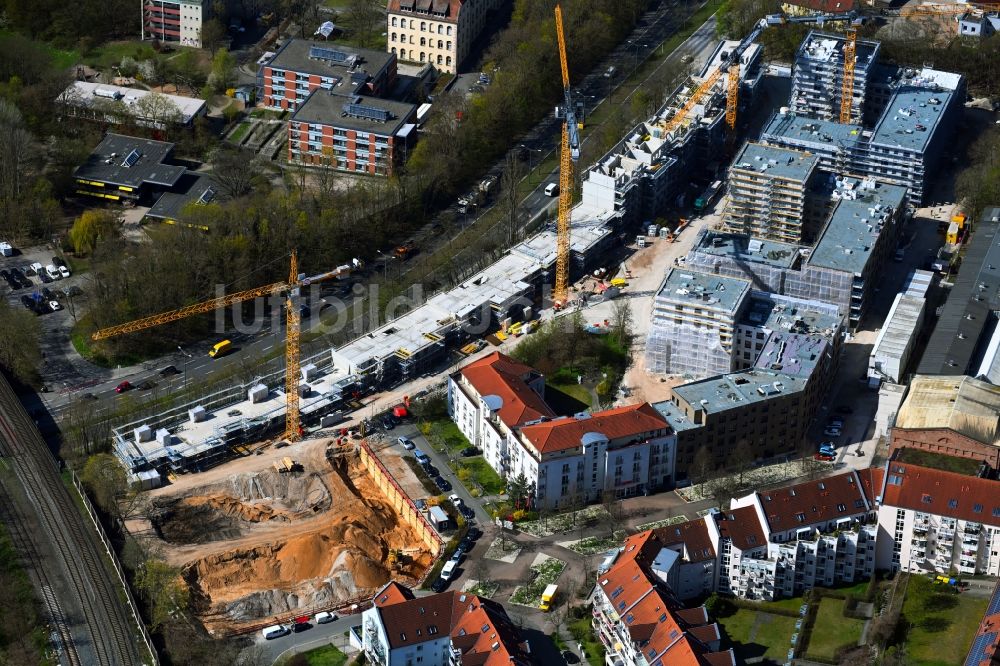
446,629
491,397
439,32
626,451
933,520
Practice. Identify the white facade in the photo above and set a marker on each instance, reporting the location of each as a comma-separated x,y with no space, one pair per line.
432,652
920,541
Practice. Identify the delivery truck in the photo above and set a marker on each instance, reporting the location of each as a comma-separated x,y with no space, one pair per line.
547,597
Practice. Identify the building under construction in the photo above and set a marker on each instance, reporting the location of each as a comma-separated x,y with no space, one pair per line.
818,76
907,142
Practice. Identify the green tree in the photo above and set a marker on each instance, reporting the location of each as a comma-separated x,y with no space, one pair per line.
161,585
517,490
106,481
91,227
365,17
19,351
223,74
213,34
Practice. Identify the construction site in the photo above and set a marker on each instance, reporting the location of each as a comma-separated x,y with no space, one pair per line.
279,534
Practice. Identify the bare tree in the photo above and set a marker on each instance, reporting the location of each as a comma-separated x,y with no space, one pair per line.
365,17
158,110
236,170
509,196
621,322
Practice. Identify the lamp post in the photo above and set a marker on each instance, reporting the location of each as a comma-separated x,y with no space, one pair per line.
189,357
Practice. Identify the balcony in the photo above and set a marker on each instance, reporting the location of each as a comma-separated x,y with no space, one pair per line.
921,526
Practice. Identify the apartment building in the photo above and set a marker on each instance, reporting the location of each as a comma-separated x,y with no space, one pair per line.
909,140
638,618
490,398
937,520
694,322
787,334
176,21
818,76
855,243
957,415
577,460
446,629
890,356
366,135
773,193
286,78
438,32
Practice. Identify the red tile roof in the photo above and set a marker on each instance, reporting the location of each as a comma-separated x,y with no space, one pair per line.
694,535
654,619
618,423
813,502
392,593
478,627
502,376
742,527
942,493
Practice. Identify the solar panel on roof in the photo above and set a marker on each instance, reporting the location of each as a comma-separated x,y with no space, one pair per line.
332,55
994,604
206,196
131,158
977,654
369,112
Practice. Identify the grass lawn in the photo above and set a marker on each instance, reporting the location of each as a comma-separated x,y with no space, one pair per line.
832,630
445,433
583,632
938,461
325,656
239,133
483,474
755,634
942,623
568,398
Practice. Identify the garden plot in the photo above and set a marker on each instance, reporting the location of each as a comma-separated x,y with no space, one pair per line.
544,571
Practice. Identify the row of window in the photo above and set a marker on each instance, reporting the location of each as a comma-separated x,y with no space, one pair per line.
422,57
412,24
441,44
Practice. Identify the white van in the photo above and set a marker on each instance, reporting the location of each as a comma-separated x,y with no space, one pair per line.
324,617
274,631
552,189
449,569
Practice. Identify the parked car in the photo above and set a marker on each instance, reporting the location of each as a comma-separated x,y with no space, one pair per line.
836,422
124,386
54,306
324,617
827,445
388,422
33,269
832,432
53,271
44,277
407,443
470,451
421,457
474,533
169,370
467,511
63,271
455,499
47,294
439,585
146,385
442,483
431,470
58,261
570,657
825,457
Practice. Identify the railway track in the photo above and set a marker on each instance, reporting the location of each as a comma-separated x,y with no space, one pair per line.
108,626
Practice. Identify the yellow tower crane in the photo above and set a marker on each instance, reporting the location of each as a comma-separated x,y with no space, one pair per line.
290,289
569,152
847,80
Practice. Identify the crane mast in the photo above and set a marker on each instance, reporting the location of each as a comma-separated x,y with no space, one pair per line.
569,151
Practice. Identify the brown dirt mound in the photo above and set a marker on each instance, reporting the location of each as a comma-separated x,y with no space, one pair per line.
333,560
226,511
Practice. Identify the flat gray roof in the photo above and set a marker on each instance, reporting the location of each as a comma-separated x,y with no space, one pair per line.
915,109
87,94
294,57
704,290
775,312
810,130
677,419
106,163
328,108
192,187
847,240
795,354
747,248
736,389
776,162
821,47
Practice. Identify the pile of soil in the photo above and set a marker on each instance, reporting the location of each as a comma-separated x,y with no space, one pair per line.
227,511
319,560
